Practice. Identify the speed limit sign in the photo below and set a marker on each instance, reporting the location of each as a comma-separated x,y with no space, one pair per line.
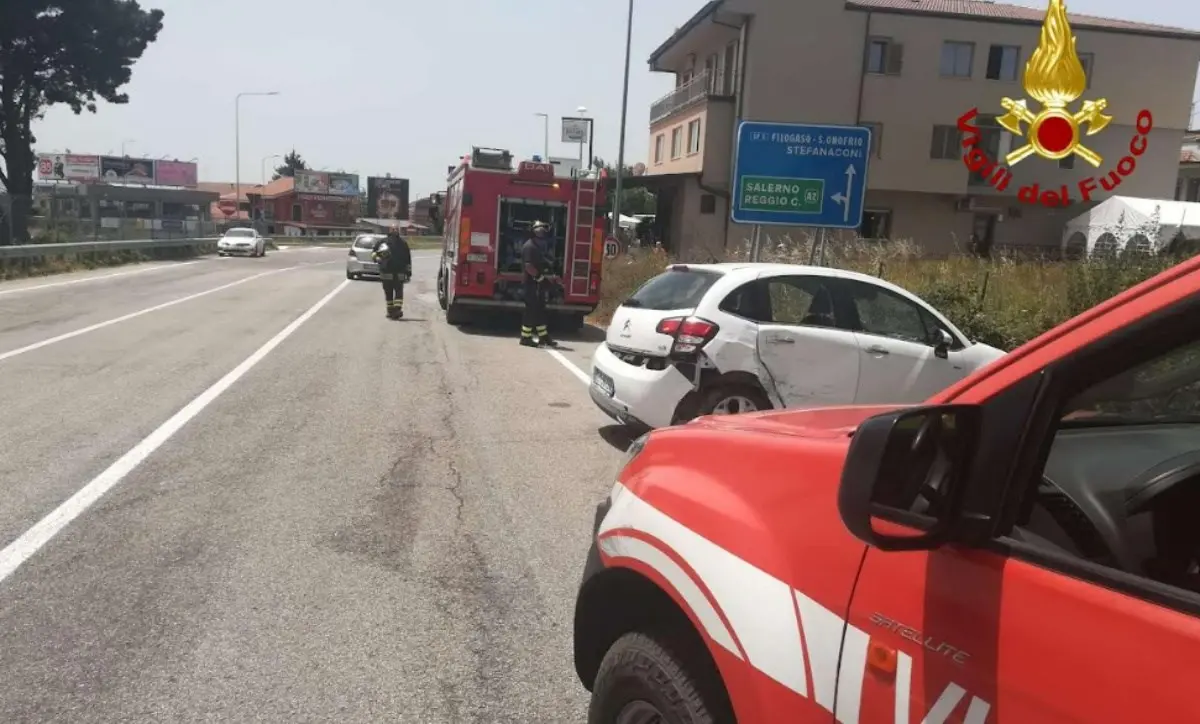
611,247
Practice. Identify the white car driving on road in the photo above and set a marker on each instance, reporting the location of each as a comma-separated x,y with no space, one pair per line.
728,338
247,242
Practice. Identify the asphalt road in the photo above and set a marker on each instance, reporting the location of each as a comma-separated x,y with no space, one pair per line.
230,489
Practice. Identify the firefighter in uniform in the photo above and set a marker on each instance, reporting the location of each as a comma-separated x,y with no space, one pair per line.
533,261
394,258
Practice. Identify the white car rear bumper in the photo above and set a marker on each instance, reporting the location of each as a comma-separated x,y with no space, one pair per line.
640,396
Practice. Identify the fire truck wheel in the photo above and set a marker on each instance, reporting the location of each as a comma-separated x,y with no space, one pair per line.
443,299
644,678
456,315
570,322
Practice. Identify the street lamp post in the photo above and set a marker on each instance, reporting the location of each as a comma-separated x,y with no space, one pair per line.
591,127
237,144
546,131
262,166
616,205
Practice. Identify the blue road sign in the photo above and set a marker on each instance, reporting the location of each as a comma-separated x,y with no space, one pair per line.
797,174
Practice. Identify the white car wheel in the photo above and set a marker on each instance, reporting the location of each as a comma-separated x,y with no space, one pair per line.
733,400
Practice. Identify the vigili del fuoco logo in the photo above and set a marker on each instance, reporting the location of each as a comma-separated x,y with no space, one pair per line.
1055,78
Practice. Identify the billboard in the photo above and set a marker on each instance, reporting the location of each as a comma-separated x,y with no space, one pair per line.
343,184
576,130
175,173
387,198
311,182
68,167
127,170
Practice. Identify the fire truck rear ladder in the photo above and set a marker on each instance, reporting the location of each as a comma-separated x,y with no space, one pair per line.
587,188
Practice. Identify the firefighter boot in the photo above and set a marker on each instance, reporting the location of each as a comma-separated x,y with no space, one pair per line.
543,336
527,337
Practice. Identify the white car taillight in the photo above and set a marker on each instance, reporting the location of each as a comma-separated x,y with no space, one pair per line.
690,333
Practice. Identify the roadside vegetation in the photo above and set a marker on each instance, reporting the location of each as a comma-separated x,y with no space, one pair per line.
1004,301
22,268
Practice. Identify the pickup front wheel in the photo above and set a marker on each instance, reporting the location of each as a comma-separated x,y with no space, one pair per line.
644,680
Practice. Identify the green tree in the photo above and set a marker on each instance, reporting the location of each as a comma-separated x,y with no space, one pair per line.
292,163
54,52
633,200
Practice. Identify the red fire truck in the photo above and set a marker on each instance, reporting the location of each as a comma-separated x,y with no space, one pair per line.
489,210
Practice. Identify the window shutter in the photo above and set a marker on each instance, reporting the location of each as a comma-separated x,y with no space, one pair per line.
895,58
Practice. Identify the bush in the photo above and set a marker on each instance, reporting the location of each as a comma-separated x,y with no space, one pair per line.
1004,301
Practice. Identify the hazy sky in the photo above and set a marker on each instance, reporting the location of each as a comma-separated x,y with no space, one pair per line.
397,86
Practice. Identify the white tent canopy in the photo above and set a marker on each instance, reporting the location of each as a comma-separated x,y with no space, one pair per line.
1126,223
630,222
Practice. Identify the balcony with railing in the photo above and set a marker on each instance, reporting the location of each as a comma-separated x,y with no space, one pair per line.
701,87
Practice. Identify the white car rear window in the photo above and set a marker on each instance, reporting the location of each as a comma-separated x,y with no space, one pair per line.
365,242
677,288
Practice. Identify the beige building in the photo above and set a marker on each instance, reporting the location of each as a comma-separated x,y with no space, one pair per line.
909,69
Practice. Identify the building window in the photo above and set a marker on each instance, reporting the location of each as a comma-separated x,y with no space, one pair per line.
1193,190
1067,162
731,62
994,141
1087,60
676,142
658,148
1002,62
884,56
708,204
876,224
876,136
693,136
946,144
956,59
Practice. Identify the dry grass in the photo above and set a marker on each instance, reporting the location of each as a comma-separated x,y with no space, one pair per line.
1004,301
46,266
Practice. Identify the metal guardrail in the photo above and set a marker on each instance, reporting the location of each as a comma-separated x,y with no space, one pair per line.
33,251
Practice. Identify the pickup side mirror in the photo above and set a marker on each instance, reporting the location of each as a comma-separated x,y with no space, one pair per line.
905,473
944,343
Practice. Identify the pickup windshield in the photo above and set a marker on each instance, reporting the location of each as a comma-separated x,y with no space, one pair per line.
676,288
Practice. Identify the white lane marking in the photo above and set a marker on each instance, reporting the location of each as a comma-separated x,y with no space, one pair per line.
571,366
32,540
132,315
69,282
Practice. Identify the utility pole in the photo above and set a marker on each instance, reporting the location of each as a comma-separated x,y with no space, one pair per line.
616,205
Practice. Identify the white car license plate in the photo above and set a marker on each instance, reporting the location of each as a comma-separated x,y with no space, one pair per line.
603,382
370,267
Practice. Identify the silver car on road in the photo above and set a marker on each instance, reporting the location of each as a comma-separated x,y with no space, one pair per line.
359,263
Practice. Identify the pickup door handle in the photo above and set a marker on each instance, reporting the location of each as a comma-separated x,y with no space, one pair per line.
783,340
876,349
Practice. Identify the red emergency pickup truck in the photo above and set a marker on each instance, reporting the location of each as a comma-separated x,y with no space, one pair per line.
1024,547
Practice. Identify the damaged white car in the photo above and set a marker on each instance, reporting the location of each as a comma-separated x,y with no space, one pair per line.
728,338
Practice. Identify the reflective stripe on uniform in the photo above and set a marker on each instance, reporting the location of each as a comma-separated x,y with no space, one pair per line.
542,331
526,331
